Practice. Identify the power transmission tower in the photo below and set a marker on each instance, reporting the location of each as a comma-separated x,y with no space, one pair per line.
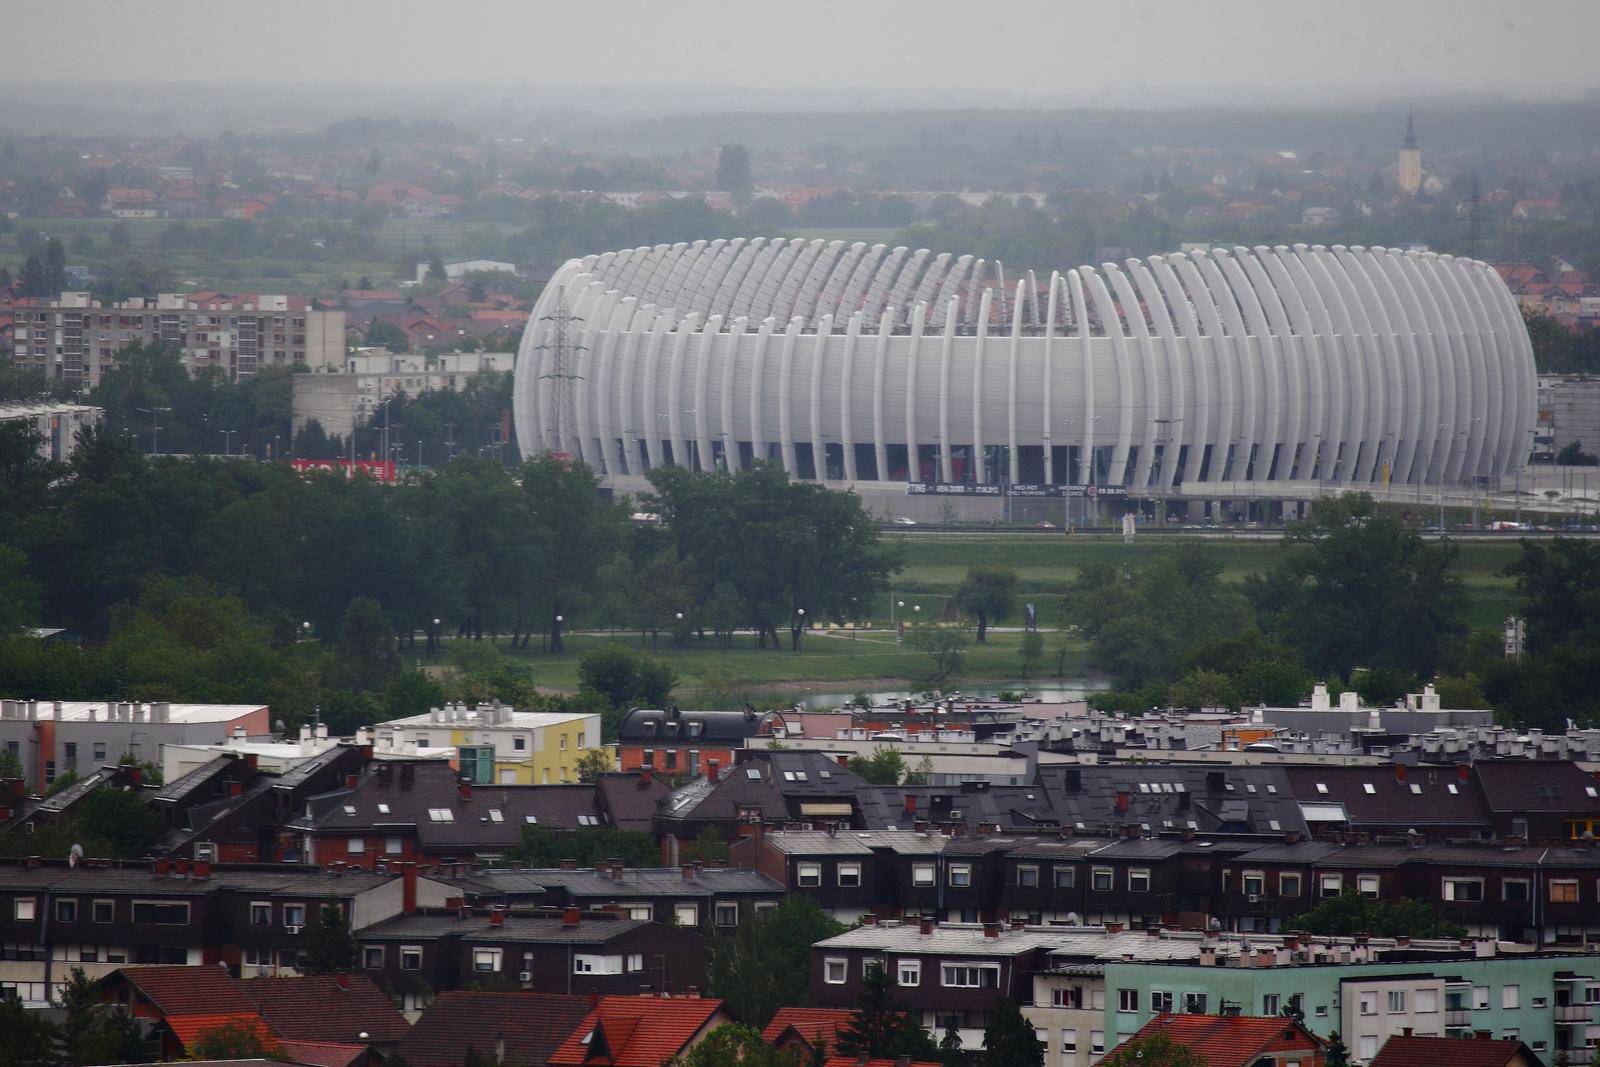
562,368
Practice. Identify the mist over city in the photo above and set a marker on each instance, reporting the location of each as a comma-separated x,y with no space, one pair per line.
845,535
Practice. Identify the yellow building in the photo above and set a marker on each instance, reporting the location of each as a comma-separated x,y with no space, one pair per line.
491,744
1409,177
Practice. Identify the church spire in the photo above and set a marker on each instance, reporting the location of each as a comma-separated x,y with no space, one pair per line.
1411,133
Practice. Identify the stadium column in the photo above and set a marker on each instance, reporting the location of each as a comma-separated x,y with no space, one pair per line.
1330,393
725,383
919,316
605,393
1045,412
1011,390
686,328
1310,395
1220,378
950,314
651,418
847,369
1443,379
1344,375
1392,358
1111,326
1197,395
1242,359
791,337
880,367
1281,359
758,370
1458,367
1169,424
1133,313
1450,270
628,374
979,466
819,353
1080,334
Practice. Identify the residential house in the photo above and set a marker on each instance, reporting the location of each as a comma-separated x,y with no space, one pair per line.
688,743
708,899
1240,1040
811,1030
639,1031
523,1028
1411,1050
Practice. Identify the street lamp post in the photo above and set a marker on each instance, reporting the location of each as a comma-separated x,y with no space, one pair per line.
677,632
305,631
800,628
894,621
555,643
155,427
227,441
434,637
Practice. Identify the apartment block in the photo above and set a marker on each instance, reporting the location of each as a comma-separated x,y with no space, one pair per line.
75,338
496,745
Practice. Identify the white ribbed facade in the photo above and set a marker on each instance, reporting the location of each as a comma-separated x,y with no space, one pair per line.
1190,374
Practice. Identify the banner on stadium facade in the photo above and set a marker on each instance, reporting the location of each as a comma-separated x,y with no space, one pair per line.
381,472
1018,490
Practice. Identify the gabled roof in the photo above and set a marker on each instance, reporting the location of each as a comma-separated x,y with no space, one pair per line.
635,1031
188,1028
327,1008
1520,787
592,886
1229,1040
1376,797
776,785
534,1024
1402,1051
324,1053
643,726
630,799
814,1026
183,990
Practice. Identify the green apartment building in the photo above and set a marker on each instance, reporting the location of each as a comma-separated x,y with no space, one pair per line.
1550,1001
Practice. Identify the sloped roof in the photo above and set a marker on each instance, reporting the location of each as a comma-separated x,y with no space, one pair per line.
1225,1040
768,783
636,1031
811,1025
197,991
1525,786
851,1061
1374,797
534,1024
188,1028
319,1008
630,799
1402,1051
323,1053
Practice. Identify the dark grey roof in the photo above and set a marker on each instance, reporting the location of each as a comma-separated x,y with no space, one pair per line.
182,788
517,927
1206,799
854,842
284,880
642,726
772,782
635,882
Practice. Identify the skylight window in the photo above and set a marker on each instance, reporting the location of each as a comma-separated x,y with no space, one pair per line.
383,809
1272,789
1368,788
825,775
349,809
1589,789
1322,788
496,815
1452,787
531,820
1415,788
441,815
1275,824
753,774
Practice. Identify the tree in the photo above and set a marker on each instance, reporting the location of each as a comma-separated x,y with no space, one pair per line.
411,693
367,646
882,1026
950,1051
330,946
734,1045
884,767
386,334
543,847
1336,1055
593,762
989,592
235,1041
436,269
945,647
1357,588
1351,913
93,1032
26,1038
1201,689
625,678
126,823
1032,650
1009,1039
765,963
1157,1050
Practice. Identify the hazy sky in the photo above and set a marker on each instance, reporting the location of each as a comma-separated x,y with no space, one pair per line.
1054,51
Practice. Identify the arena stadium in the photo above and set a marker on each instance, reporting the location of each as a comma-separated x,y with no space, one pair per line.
1209,376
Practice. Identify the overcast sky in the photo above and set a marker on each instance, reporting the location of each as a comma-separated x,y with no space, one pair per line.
1054,51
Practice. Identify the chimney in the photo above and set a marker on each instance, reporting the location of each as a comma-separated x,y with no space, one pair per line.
497,917
569,865
1463,771
202,870
713,768
1350,701
594,1000
646,774
408,889
465,790
991,929
352,780
571,916
1123,798
688,872
342,981
911,806
616,870
236,789
180,868
925,927
163,867
1400,773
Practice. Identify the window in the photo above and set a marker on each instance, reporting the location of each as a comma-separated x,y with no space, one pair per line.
1139,880
519,744
1097,1042
1425,1001
911,972
1028,877
25,909
1161,1000
160,913
1540,1003
294,915
922,874
563,745
1564,891
1369,1004
1066,877
422,740
411,957
809,874
1128,1000
383,809
834,971
1367,1047
1480,997
970,975
372,957
1510,996
1397,1002
1463,889
356,846
441,815
1069,1041
1514,890
635,964
686,914
496,815
1100,879
485,959
1067,997
66,911
850,874
1332,885
99,751
591,964
727,913
961,874
1288,884
1271,1004
1254,883
261,913
394,846
1367,885
104,911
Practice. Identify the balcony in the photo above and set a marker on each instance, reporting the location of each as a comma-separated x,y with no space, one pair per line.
1574,1013
1579,1055
1458,1017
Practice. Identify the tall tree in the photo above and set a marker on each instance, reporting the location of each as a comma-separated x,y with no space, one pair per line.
1157,1050
1009,1039
883,1026
733,172
330,946
93,1032
366,645
765,963
988,592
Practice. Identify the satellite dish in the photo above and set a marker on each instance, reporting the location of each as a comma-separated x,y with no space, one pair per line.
279,726
75,856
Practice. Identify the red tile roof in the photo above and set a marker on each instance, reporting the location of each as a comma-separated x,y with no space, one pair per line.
179,990
188,1028
1401,1051
533,1024
1230,1040
320,1008
323,1053
636,1031
812,1025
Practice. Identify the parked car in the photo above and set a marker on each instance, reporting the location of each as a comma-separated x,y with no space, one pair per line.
904,521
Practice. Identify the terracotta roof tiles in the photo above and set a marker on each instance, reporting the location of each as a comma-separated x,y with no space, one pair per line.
1402,1051
637,1031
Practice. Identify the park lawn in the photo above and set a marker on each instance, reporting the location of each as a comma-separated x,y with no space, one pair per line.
827,661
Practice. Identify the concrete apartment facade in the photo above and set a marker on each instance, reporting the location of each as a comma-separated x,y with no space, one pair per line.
51,738
56,424
1569,413
75,338
336,399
